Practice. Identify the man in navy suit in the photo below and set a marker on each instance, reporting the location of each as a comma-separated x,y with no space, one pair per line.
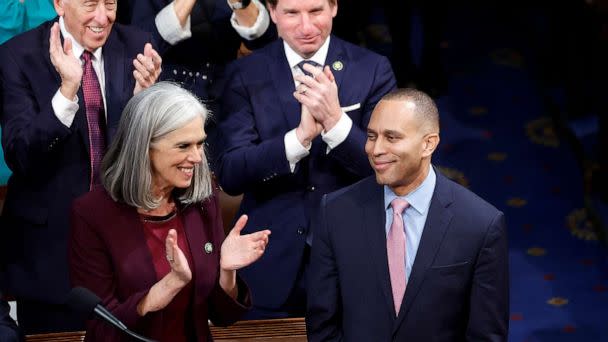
433,269
47,141
286,138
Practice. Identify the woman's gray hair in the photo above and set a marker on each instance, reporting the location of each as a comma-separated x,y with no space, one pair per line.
126,171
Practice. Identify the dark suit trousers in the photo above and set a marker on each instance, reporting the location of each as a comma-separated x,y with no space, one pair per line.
295,305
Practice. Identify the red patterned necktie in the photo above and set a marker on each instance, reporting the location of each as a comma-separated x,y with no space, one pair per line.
93,102
395,249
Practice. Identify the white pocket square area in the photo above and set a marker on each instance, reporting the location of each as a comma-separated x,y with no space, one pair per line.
351,107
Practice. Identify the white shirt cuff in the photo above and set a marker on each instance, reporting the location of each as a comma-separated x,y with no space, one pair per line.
65,110
338,133
294,150
169,27
259,27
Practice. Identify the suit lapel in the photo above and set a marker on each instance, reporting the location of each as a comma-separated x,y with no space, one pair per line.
372,203
338,61
284,84
437,222
114,70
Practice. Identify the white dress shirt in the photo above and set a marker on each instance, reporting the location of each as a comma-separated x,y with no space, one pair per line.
294,150
65,109
172,32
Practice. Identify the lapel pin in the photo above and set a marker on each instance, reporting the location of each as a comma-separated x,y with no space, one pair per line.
337,66
208,247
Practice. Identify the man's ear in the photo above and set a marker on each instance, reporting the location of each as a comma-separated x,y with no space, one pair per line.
334,10
58,4
430,143
272,12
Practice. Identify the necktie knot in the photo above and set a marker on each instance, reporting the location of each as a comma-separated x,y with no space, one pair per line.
399,205
306,61
86,56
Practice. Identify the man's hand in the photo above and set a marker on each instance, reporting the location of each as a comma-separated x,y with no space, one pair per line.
320,95
147,68
66,64
308,129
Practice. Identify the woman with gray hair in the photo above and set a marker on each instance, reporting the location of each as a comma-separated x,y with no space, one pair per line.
150,242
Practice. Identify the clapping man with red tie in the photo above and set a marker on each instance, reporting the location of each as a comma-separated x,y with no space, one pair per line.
63,86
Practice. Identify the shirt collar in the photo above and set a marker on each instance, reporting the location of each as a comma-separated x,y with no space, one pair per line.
293,58
77,49
420,198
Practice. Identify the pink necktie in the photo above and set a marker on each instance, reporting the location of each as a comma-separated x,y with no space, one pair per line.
395,248
93,103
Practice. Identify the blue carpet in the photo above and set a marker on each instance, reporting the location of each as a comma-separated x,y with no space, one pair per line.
498,140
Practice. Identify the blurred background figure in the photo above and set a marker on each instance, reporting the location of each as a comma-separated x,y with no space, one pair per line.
18,16
150,242
197,38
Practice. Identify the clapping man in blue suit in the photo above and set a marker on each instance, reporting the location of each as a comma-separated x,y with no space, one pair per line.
407,255
63,86
290,132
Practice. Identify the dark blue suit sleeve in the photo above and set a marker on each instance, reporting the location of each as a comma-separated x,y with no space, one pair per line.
245,160
323,315
8,329
143,15
489,301
31,132
349,152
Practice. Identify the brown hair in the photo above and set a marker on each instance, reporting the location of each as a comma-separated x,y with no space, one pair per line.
273,3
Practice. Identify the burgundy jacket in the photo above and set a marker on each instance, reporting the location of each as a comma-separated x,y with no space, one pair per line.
108,255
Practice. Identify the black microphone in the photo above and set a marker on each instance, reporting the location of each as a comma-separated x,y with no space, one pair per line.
83,301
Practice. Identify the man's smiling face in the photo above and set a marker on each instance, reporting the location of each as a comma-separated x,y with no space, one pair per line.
88,21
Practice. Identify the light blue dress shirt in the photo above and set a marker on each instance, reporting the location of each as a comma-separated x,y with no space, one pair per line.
414,216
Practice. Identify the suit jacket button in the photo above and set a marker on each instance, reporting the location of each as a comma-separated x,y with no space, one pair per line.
311,188
300,231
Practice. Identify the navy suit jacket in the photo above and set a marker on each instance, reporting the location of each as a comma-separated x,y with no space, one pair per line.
50,162
109,255
458,289
258,108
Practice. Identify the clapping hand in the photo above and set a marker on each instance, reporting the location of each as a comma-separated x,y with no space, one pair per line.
66,64
176,258
147,68
319,94
241,250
